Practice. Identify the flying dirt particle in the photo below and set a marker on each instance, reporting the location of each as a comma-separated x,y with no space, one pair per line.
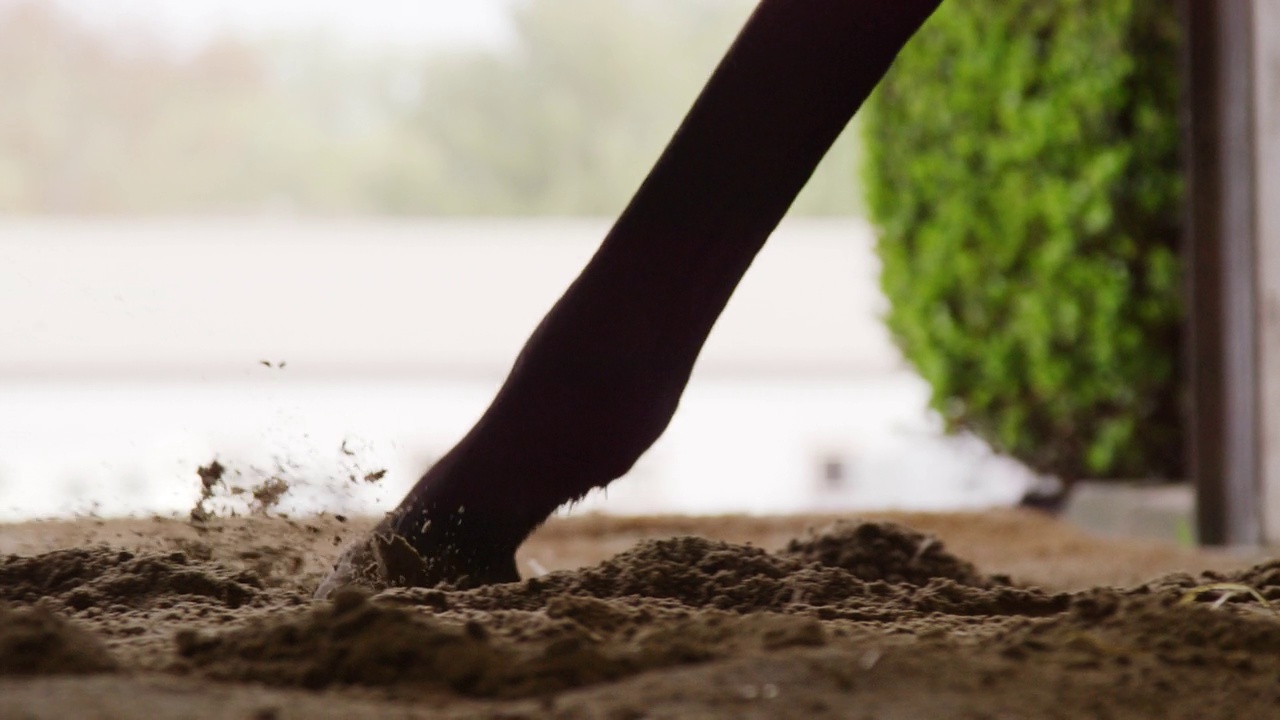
267,494
375,476
210,477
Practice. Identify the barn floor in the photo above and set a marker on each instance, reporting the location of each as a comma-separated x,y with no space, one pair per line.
984,615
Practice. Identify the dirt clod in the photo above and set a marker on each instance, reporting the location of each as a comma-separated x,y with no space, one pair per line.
210,477
36,641
267,494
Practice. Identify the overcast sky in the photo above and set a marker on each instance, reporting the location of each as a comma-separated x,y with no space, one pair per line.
406,23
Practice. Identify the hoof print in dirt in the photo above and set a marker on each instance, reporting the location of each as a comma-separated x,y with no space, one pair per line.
36,641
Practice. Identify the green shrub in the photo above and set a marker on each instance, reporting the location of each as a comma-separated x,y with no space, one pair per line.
1022,170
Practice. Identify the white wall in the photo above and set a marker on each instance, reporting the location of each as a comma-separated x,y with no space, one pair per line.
129,356
761,446
120,448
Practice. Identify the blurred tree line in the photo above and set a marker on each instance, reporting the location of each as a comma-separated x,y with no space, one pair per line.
566,119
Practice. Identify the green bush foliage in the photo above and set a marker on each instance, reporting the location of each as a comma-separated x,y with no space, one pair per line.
1022,170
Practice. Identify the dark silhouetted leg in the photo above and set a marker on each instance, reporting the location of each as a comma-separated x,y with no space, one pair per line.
600,378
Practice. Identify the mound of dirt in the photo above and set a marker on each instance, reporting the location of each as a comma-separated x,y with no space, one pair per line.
709,574
35,641
884,551
348,641
352,641
863,619
81,578
1167,626
664,603
1264,577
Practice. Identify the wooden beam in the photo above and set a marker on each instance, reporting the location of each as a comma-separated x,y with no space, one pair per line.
1222,277
1266,127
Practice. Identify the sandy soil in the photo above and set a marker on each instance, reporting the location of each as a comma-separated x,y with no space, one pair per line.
992,615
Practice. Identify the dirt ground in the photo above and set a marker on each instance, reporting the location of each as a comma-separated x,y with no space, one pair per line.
986,615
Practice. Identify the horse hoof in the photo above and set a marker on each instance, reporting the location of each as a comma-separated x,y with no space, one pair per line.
384,559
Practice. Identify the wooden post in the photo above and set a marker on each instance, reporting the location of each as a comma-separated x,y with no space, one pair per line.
1266,127
1222,273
